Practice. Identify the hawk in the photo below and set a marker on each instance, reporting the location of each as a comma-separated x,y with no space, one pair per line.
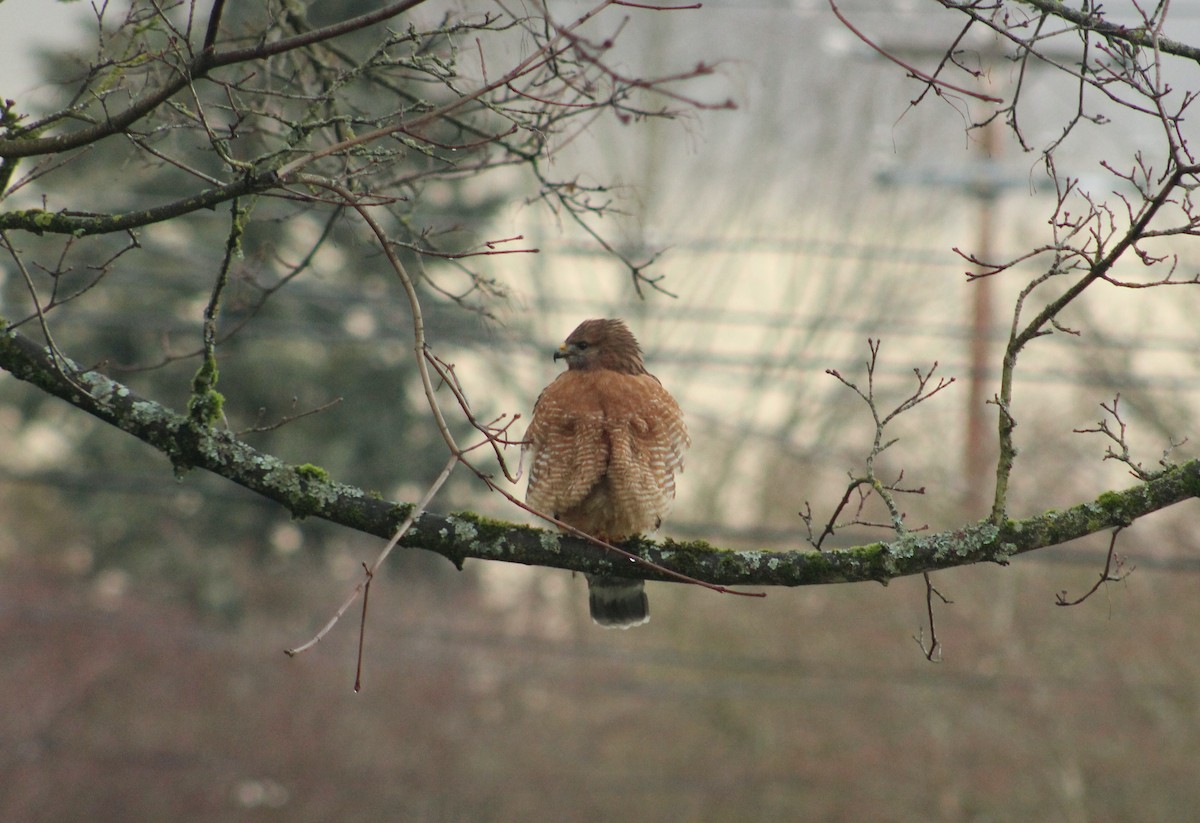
606,441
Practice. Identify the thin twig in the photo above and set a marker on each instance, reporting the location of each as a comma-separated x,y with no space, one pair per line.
1114,572
362,630
928,78
383,555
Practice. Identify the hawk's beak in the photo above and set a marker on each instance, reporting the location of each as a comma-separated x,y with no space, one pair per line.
561,353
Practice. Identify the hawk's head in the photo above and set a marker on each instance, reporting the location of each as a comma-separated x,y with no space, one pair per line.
602,344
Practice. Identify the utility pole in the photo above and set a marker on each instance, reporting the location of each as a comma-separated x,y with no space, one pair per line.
977,455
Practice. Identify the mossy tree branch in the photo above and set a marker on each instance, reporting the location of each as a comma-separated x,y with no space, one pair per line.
306,491
1094,20
83,224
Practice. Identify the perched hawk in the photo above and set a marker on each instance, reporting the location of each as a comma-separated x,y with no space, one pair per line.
606,440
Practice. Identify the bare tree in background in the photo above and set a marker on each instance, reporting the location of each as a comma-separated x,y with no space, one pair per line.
271,120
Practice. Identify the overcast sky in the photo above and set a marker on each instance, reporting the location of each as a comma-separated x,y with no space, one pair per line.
27,26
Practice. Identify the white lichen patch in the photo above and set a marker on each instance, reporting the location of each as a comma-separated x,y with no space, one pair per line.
550,542
464,530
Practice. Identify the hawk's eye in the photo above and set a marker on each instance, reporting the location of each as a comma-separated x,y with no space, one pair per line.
582,345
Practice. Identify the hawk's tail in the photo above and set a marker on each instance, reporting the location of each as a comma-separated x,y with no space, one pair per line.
617,602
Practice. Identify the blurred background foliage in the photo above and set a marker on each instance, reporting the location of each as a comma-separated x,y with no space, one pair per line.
312,325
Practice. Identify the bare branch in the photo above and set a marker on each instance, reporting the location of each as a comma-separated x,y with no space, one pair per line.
924,390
